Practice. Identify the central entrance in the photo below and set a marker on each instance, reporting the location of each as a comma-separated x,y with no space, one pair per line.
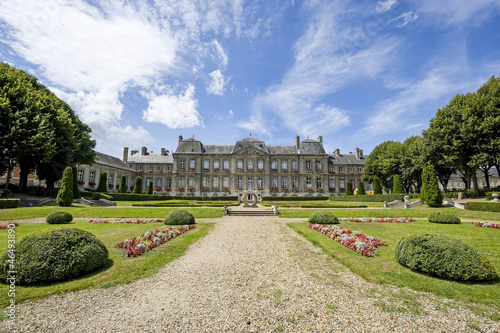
250,199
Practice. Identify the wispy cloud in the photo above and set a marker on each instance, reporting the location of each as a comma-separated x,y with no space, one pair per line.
384,6
217,83
327,58
459,11
406,18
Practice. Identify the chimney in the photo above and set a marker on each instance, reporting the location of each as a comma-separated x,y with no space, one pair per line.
337,152
125,154
297,142
357,153
133,152
320,139
180,138
144,151
163,151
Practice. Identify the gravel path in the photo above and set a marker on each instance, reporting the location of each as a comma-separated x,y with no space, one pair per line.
249,275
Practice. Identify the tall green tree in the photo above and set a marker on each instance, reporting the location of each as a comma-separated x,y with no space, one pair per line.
348,190
384,162
431,194
65,194
37,129
412,163
123,184
377,188
137,185
150,187
103,182
361,188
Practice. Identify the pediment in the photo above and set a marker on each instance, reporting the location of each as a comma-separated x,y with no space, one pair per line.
251,151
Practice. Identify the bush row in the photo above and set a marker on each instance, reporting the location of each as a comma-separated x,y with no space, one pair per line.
188,204
373,198
148,197
310,205
273,198
9,203
444,218
484,206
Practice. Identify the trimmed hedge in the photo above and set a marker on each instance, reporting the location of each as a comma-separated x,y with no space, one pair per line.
189,203
271,198
53,255
444,218
323,218
146,197
9,203
372,198
59,217
444,257
483,206
179,217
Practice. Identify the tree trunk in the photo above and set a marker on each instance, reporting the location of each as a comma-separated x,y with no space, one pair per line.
23,180
474,184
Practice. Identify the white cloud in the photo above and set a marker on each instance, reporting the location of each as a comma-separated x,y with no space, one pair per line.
459,11
406,17
220,55
216,86
384,6
174,111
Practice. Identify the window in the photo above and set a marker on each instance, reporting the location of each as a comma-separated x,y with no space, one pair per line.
250,164
158,183
192,164
250,183
92,176
308,165
284,182
284,165
239,182
159,168
260,182
204,182
80,175
191,181
169,167
360,169
260,165
216,165
331,169
295,183
240,164
225,182
226,165
341,184
215,182
168,182
350,169
341,169
182,164
332,183
110,180
206,164
318,165
181,181
150,168
319,183
274,182
294,165
309,182
140,167
274,165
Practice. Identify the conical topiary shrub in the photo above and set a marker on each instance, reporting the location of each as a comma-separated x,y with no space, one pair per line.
103,182
137,185
377,188
431,194
65,194
361,188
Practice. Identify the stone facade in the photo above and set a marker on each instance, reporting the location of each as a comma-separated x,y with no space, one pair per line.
248,166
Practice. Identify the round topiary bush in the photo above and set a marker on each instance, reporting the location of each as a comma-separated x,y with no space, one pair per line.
59,217
179,217
443,218
323,218
53,255
444,257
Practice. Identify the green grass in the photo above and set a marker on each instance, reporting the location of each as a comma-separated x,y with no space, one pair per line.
321,204
417,212
122,270
384,269
79,210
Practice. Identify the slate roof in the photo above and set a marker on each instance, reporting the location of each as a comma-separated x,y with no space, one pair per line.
249,141
312,147
111,161
190,145
151,158
346,159
282,149
218,149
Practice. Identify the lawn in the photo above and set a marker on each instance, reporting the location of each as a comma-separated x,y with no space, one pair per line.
384,269
121,269
80,210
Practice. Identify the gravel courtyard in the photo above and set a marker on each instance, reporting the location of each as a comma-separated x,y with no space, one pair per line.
249,275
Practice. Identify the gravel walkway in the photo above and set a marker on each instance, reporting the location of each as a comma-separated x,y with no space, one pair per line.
249,275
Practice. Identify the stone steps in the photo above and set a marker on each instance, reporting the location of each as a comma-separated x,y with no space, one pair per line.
250,213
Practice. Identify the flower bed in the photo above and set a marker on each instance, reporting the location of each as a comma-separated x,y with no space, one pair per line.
150,239
6,226
380,220
134,221
353,240
487,225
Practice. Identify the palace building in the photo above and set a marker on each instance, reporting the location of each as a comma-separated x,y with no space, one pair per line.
248,166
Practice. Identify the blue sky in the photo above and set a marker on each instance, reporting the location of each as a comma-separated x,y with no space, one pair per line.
356,72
